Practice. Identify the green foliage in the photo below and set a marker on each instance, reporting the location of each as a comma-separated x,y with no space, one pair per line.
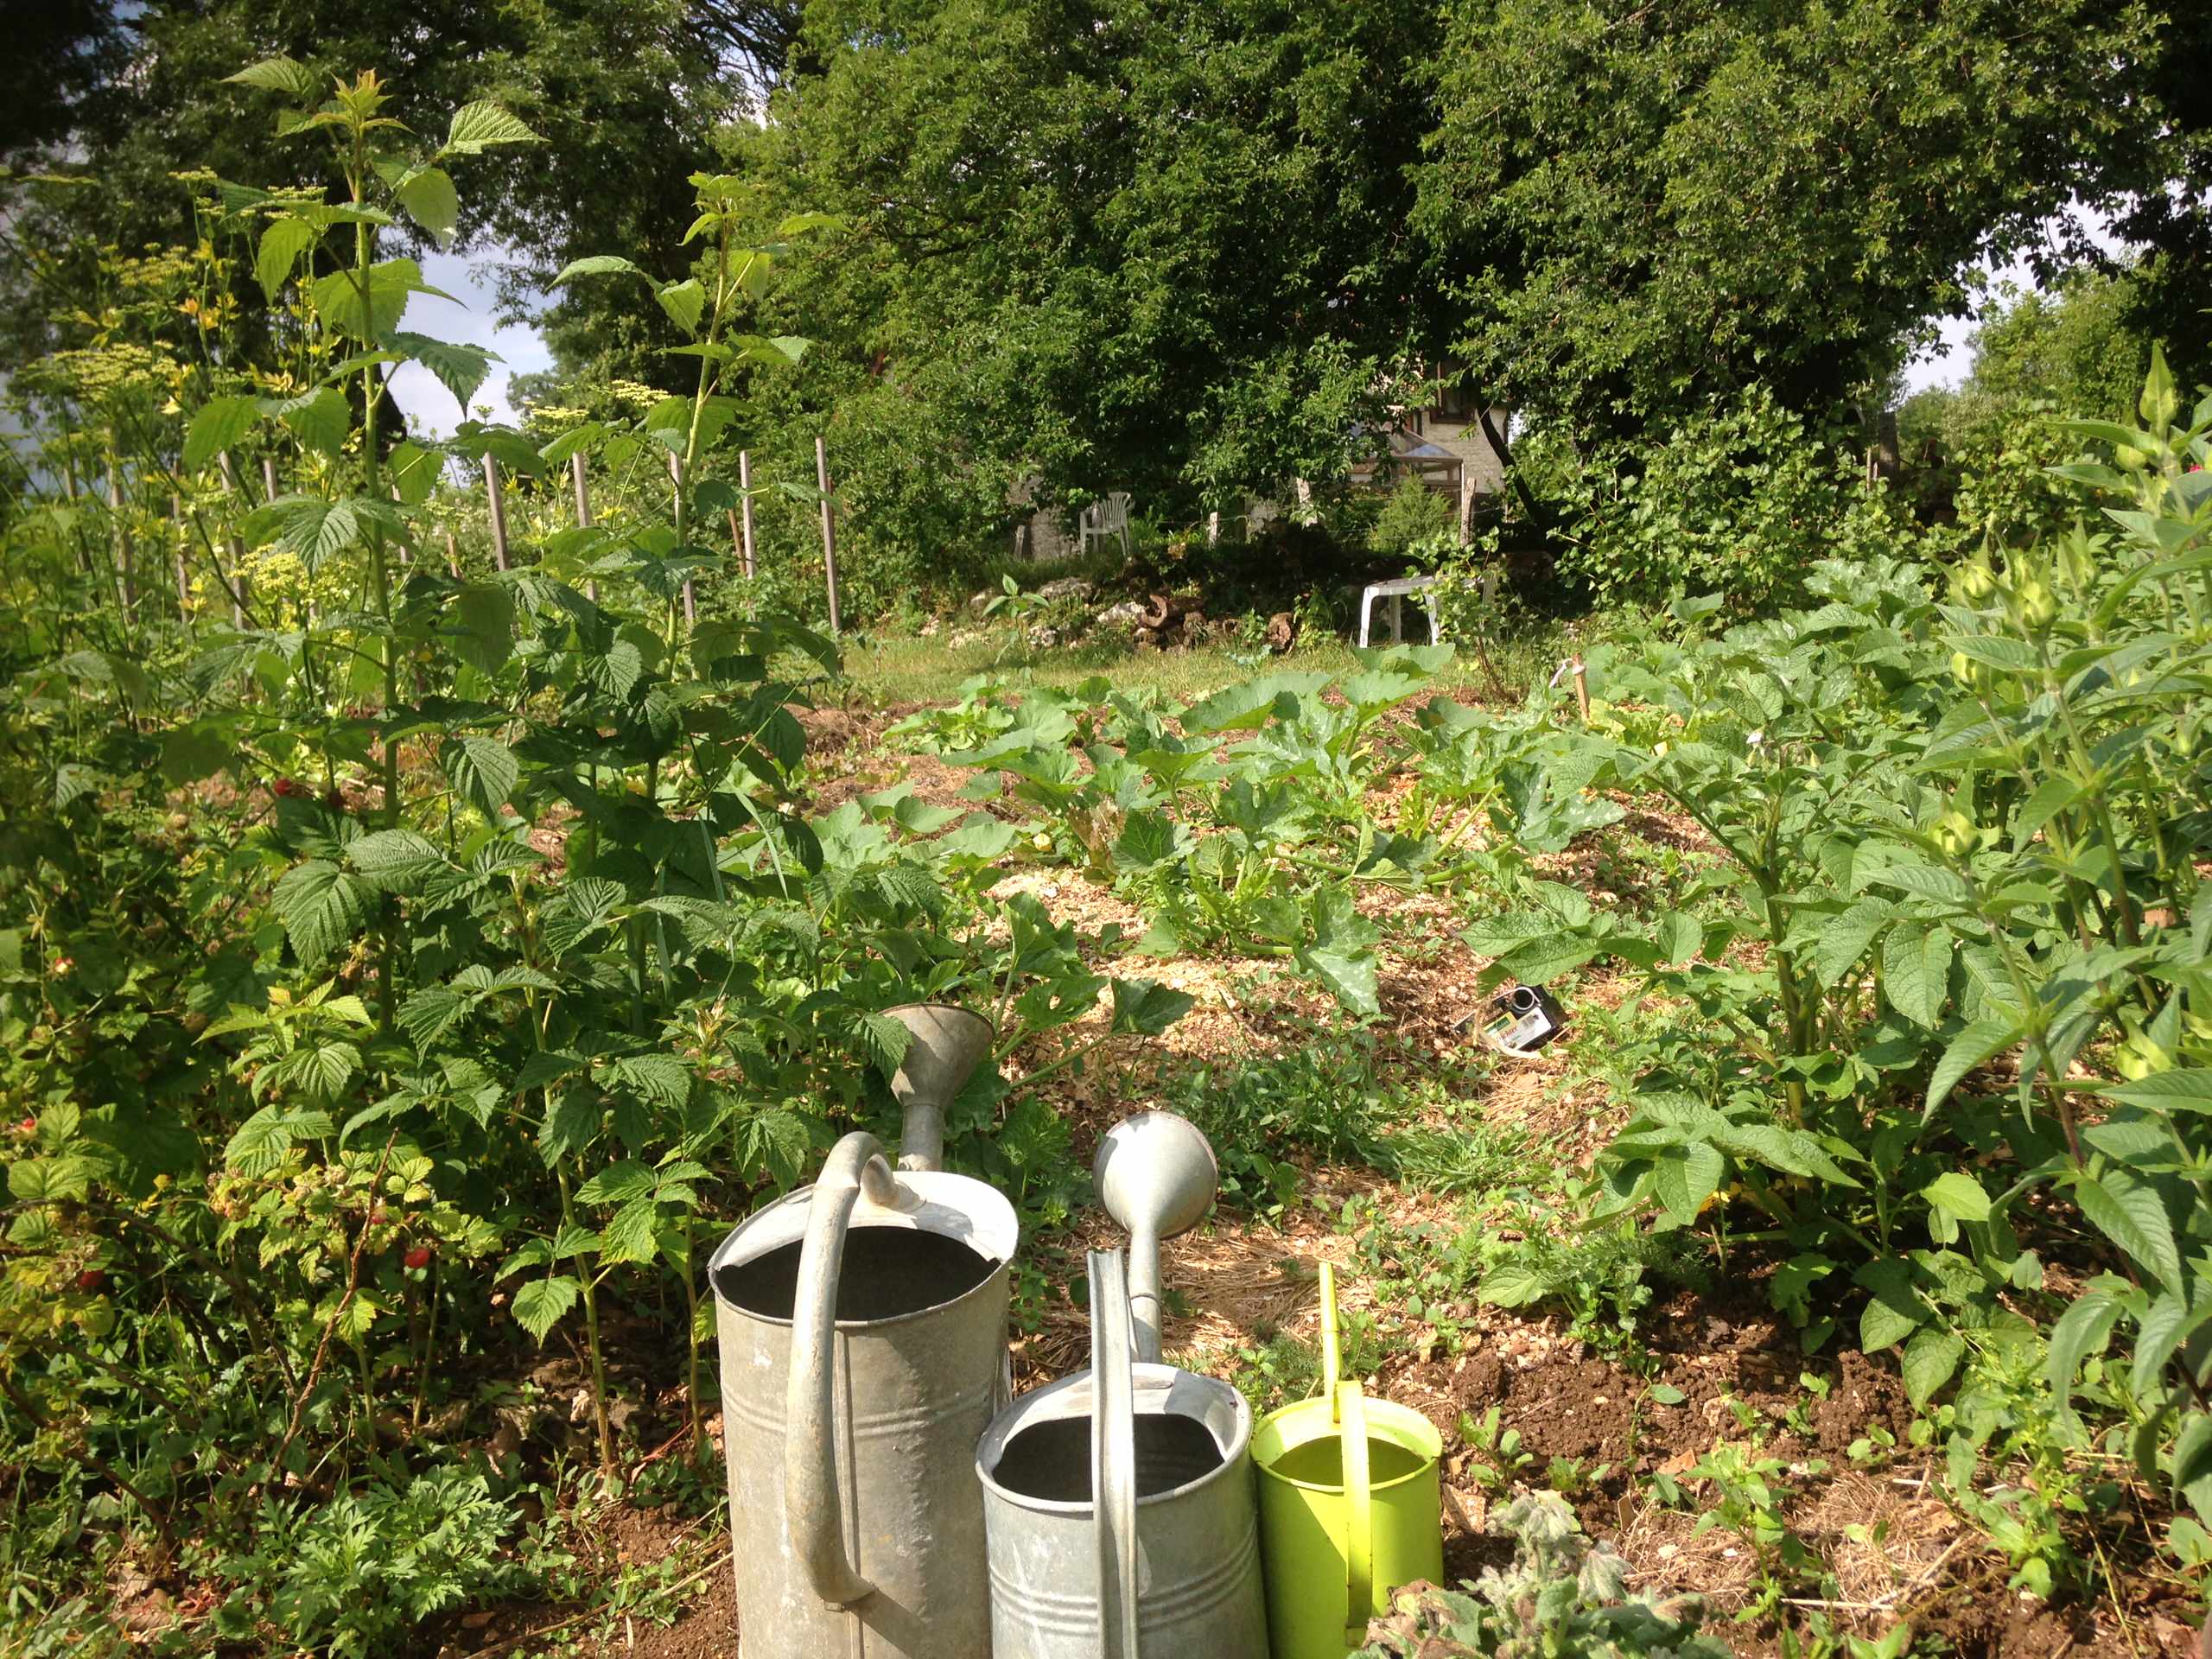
1560,1598
358,1575
1041,281
2070,346
1988,449
1286,837
1495,1457
1655,207
1740,500
1956,832
1738,1488
407,962
1412,515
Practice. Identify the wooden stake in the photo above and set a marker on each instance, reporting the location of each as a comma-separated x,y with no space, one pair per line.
828,530
452,557
239,579
76,535
1581,689
268,477
406,554
675,478
583,514
745,509
498,513
125,576
183,581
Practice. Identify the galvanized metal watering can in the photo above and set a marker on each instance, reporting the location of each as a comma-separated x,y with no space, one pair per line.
863,1330
1350,1507
1119,1501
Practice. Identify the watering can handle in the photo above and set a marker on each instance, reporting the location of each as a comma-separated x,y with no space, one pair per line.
1329,1335
1359,1513
813,1509
1114,1454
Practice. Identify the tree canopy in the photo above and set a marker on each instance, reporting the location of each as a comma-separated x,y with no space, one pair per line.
1195,248
1641,205
1158,243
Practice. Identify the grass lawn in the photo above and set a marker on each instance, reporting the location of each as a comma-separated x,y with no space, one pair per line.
909,668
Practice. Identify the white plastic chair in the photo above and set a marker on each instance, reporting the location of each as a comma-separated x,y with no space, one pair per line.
1108,520
1396,593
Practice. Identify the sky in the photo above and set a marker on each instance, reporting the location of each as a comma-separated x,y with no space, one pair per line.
469,318
1948,366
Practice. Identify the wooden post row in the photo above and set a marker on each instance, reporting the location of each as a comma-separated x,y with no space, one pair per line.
583,514
126,576
239,579
183,581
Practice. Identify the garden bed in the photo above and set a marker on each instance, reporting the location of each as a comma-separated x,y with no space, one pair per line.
1600,1419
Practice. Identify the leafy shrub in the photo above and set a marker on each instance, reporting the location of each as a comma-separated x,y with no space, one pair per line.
1958,833
1413,517
1739,501
352,1577
1560,1598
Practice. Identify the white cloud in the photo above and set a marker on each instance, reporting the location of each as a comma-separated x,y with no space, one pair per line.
470,318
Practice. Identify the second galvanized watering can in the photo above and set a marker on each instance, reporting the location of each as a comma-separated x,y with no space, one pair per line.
1118,1503
1350,1507
862,1332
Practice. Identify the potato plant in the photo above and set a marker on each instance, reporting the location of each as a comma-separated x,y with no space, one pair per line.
1956,963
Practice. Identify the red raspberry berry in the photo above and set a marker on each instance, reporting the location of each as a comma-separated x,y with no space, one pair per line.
91,1281
419,1256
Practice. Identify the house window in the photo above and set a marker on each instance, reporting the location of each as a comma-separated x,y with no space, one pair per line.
1454,401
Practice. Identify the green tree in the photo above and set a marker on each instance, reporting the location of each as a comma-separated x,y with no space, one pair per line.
627,92
1644,204
1155,244
2074,348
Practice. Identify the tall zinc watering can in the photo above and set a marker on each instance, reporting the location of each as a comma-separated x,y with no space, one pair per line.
862,1329
1350,1507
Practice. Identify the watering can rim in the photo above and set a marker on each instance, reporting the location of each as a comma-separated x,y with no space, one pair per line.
1403,1420
993,1232
1147,1375
940,1005
1430,1455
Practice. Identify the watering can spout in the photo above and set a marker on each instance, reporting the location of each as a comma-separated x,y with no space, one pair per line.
1156,1175
949,1044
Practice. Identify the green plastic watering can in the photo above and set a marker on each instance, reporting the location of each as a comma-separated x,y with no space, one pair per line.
1350,1507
